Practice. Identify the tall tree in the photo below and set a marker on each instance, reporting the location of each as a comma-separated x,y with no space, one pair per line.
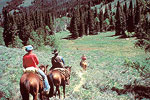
7,35
73,26
101,18
82,24
125,11
130,19
118,20
91,22
106,15
137,13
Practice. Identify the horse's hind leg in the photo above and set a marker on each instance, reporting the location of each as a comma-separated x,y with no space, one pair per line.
64,90
57,89
35,96
25,96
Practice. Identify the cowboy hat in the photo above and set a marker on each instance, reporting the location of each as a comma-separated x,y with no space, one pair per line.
55,52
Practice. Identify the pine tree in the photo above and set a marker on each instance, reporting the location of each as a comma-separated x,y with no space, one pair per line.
137,13
123,22
111,23
97,22
8,23
118,20
101,18
106,15
82,24
50,24
125,13
73,26
130,19
91,22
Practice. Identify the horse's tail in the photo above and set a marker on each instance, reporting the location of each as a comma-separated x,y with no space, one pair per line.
26,86
51,84
24,89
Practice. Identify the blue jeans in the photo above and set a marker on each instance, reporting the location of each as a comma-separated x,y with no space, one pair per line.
46,84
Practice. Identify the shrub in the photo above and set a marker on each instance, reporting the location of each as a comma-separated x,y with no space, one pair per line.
141,66
36,40
129,34
52,41
17,42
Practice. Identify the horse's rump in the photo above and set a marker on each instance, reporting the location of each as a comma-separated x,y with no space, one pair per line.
83,64
59,77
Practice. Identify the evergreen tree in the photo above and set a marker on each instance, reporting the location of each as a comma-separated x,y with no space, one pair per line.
50,24
75,33
82,24
106,15
130,19
73,26
101,18
118,20
123,22
6,34
91,22
111,24
137,13
97,22
125,11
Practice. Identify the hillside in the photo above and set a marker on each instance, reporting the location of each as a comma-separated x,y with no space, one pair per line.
107,73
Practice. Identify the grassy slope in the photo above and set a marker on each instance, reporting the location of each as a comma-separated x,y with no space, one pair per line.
105,56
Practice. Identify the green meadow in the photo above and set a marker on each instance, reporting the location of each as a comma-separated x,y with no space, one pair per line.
111,63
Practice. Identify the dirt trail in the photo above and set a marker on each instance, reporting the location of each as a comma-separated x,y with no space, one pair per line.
82,81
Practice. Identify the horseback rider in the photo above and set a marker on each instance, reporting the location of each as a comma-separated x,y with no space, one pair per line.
57,61
30,60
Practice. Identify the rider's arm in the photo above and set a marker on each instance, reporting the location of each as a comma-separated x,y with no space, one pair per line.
63,60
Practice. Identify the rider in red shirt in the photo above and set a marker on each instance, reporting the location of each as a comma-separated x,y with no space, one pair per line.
30,60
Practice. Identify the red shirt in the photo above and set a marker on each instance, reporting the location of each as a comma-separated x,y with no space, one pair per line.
83,58
30,60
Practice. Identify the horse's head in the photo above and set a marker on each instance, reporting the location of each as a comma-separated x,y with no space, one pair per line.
68,68
44,68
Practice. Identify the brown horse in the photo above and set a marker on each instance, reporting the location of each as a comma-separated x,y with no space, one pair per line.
30,83
83,64
59,77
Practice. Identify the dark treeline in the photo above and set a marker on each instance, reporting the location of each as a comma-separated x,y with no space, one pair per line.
126,21
27,27
36,23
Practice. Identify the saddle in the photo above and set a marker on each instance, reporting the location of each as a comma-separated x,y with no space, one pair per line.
62,71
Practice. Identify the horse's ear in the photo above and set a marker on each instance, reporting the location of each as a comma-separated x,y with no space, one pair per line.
47,66
70,67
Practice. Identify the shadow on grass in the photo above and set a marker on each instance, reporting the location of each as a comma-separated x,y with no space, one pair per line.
139,91
69,37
